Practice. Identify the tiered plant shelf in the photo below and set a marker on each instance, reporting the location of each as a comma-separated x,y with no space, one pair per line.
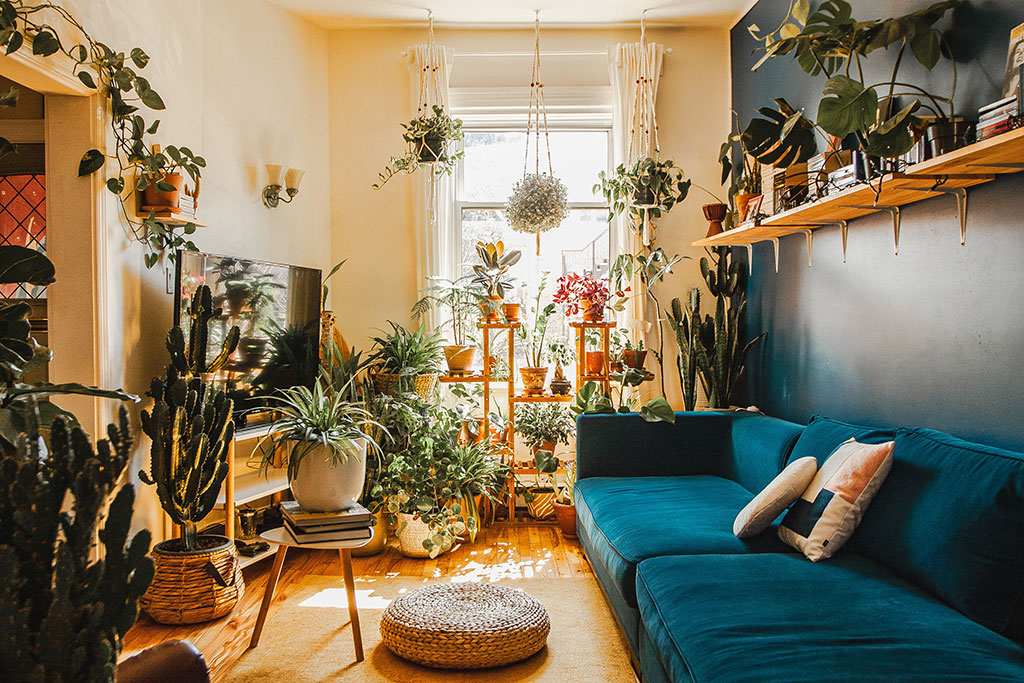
949,174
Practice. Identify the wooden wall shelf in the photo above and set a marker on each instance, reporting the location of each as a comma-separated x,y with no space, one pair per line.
949,174
171,219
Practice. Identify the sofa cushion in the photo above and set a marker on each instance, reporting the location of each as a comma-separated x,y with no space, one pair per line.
773,500
630,519
774,617
823,435
759,448
950,518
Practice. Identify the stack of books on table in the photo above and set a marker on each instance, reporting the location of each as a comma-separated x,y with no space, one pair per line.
997,118
352,524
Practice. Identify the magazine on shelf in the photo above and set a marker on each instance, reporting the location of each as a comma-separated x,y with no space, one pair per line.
356,515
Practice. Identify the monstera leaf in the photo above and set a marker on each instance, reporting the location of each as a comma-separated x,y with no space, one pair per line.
847,107
893,137
782,138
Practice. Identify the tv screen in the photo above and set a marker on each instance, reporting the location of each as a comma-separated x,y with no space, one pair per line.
277,310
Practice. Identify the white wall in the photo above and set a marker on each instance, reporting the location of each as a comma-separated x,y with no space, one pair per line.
245,83
369,98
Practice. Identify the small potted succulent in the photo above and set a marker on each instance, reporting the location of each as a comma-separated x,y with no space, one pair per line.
406,361
460,301
561,352
544,426
583,294
160,178
491,272
535,371
538,203
429,138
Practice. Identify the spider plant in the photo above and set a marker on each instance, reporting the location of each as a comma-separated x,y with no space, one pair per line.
407,353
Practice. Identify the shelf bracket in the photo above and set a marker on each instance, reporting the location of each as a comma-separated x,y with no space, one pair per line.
894,213
750,257
961,204
775,244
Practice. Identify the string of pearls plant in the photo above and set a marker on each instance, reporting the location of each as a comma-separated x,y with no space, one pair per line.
538,203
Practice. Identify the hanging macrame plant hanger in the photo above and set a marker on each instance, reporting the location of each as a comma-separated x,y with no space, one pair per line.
429,149
539,201
645,121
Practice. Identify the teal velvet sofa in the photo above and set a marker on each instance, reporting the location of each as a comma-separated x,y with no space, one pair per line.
929,588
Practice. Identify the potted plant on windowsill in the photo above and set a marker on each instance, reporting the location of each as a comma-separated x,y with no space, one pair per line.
544,426
583,294
190,429
535,372
491,272
428,139
460,301
406,361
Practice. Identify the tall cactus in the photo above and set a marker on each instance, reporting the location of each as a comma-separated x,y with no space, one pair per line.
685,322
64,611
190,424
721,356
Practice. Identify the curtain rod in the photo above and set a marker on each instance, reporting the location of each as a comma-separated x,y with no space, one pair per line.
578,53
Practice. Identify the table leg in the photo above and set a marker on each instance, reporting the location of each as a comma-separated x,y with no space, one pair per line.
268,594
350,592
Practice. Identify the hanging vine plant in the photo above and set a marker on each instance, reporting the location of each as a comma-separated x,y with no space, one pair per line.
540,201
115,75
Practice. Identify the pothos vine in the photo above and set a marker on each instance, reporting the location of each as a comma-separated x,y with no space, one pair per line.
115,75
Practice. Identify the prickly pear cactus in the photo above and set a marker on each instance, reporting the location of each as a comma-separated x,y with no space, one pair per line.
62,612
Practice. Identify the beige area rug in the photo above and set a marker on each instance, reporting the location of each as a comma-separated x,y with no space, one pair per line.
308,638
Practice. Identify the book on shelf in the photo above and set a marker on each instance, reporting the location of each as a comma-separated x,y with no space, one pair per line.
357,515
1014,62
303,536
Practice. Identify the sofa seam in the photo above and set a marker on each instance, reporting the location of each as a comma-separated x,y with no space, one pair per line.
966,445
661,616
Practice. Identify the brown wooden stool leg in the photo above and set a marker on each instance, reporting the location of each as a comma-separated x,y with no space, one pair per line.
350,592
268,595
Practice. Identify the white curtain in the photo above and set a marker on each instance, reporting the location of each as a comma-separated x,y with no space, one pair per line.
433,196
624,69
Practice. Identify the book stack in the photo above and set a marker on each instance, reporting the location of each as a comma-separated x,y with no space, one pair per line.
997,117
352,524
187,204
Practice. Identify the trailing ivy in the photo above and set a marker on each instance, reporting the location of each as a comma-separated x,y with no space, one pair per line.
116,76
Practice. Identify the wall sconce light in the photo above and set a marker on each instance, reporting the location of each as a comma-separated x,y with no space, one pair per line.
272,192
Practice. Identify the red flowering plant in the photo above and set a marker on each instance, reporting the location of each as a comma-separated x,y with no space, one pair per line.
578,292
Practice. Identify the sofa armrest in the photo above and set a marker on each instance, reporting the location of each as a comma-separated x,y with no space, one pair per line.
625,445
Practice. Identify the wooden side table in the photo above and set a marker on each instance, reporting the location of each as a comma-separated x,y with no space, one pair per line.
284,540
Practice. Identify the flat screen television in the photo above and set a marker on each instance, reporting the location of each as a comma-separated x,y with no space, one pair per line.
277,310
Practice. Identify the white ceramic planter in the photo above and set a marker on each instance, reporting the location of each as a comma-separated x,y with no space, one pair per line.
413,532
320,485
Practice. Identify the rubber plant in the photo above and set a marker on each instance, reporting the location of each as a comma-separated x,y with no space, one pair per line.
115,75
832,44
190,423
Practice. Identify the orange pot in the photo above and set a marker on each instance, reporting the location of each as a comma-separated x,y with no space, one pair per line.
591,312
152,196
512,312
533,380
634,359
491,309
566,516
595,362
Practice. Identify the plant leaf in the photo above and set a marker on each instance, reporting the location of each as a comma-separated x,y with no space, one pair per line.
847,107
91,162
87,79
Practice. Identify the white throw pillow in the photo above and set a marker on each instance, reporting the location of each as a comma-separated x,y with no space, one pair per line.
778,495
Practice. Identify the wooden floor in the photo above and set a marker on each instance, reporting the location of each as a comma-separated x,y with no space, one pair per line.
501,551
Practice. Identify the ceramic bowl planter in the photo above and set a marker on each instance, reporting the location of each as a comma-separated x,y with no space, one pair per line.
459,358
534,380
566,516
560,387
715,214
743,200
193,586
321,484
156,198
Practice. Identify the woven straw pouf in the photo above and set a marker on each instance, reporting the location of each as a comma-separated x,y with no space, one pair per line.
465,626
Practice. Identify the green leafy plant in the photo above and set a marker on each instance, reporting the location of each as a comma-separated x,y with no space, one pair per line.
532,335
66,606
650,186
406,353
293,359
459,299
325,291
591,399
721,356
493,266
541,424
115,76
561,351
190,425
685,323
429,139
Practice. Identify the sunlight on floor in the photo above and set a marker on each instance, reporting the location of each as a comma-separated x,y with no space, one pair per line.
335,597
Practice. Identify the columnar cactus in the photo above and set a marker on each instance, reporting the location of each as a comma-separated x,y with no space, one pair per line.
64,612
190,424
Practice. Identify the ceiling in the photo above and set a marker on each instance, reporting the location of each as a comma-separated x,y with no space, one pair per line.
509,13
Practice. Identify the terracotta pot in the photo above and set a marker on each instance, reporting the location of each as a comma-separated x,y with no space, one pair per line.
634,359
544,446
566,516
492,309
379,540
715,214
159,198
595,362
742,202
460,358
533,380
473,430
512,312
591,313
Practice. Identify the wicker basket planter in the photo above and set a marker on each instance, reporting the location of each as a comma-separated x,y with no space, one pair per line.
192,587
413,532
386,383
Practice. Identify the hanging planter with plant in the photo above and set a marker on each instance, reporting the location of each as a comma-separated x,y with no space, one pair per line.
540,201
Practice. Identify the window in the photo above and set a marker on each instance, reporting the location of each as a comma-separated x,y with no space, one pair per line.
493,163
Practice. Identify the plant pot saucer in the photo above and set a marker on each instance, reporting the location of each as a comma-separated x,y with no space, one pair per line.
158,207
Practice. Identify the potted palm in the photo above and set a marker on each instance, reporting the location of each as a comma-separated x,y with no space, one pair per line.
406,361
460,301
544,426
535,372
190,430
492,271
325,440
428,139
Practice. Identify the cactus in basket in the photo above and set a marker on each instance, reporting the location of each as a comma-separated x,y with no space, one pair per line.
190,424
721,356
685,322
65,607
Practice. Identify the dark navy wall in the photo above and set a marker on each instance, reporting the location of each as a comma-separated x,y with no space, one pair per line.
932,337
